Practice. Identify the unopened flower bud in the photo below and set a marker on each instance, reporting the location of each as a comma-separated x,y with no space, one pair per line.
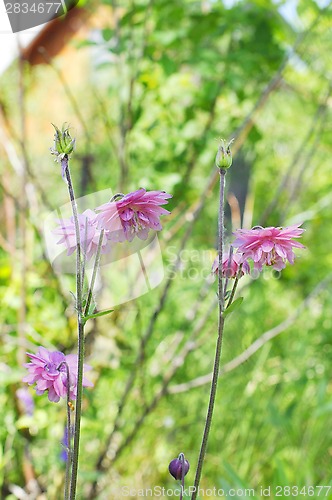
176,465
224,155
64,144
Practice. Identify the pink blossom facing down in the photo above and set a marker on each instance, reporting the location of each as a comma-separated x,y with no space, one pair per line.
230,267
270,246
134,214
48,370
88,228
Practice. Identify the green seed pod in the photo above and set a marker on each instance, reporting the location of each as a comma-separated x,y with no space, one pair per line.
224,155
64,144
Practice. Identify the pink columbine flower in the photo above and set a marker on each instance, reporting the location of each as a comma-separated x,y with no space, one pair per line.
133,214
231,265
48,370
270,246
89,234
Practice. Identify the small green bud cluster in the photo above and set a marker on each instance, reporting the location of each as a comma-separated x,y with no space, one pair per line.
63,142
224,155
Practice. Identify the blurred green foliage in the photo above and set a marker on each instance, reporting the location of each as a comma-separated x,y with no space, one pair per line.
148,91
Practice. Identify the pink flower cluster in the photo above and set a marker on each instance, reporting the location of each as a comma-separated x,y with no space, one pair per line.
49,371
122,218
269,246
134,214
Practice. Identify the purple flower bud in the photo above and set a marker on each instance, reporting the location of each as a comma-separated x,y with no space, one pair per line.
24,396
65,445
175,467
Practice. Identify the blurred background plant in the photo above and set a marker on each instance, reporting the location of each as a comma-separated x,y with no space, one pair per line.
148,87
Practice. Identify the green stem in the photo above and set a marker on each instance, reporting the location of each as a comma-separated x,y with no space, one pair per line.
80,324
84,251
94,273
68,463
65,166
77,431
238,276
181,457
221,322
229,268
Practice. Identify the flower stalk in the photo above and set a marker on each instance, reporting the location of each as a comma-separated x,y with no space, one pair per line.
80,323
69,450
84,251
78,411
183,473
94,273
238,276
221,322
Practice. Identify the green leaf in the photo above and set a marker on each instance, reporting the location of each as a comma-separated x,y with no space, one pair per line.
233,306
96,315
92,307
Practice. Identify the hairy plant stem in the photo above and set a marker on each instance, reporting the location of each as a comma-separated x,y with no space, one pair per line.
181,457
84,253
94,273
221,322
80,324
221,295
78,411
238,276
229,267
69,451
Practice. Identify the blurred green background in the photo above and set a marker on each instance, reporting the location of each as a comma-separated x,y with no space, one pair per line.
148,88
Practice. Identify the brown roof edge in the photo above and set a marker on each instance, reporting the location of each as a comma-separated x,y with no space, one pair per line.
54,36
